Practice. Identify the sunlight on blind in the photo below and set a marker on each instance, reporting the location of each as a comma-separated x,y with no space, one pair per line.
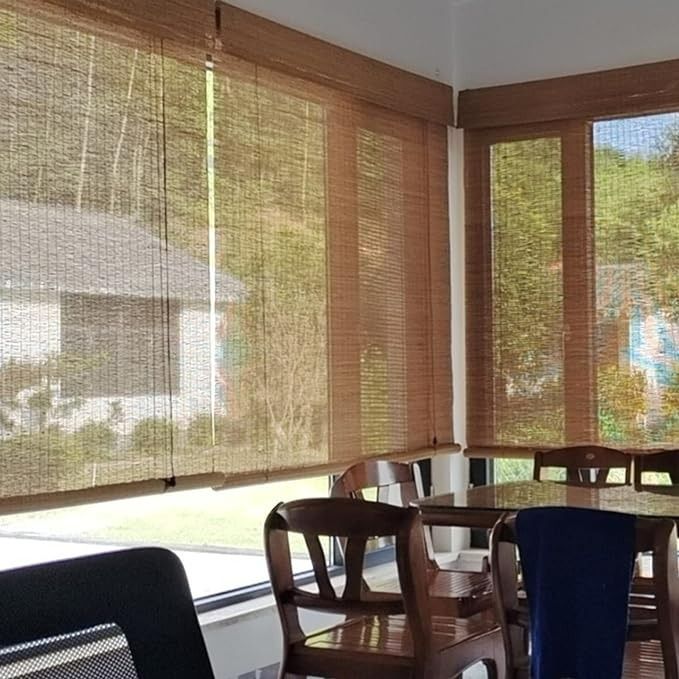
527,291
383,360
271,220
104,264
637,249
208,267
324,329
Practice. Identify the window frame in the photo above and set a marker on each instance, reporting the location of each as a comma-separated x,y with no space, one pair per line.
579,363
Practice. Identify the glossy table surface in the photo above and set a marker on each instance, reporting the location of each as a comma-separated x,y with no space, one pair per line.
483,505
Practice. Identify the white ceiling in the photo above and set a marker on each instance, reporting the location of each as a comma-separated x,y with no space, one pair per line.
412,34
503,41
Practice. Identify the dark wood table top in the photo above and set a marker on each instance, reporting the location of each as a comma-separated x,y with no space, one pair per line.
482,506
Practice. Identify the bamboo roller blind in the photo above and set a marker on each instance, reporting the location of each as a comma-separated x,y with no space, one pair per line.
572,235
212,271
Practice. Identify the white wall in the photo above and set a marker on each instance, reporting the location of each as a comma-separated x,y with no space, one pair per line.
503,41
252,640
30,330
411,34
30,326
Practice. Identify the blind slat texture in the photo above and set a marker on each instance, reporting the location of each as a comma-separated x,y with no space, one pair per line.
574,234
191,21
270,44
322,212
210,270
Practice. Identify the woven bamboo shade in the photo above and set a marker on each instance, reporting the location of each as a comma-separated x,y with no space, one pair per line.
213,271
573,332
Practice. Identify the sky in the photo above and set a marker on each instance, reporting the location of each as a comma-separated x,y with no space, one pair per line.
642,135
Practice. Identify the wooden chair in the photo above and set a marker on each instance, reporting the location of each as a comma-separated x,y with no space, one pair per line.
666,462
382,635
585,465
453,592
653,641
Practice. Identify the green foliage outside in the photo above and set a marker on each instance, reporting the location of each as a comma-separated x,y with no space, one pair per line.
637,246
506,470
622,399
527,223
154,436
270,212
97,437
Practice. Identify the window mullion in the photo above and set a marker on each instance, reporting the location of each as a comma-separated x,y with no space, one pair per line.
579,284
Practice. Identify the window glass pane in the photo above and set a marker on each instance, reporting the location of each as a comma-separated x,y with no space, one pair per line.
507,469
637,250
216,534
527,291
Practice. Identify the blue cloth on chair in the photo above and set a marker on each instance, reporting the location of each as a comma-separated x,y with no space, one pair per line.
577,568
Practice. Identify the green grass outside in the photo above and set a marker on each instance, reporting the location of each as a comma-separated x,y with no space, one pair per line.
231,519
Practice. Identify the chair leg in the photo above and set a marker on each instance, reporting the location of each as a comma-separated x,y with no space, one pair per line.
282,674
496,669
491,668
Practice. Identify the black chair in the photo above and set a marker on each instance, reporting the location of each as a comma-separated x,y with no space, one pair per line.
120,615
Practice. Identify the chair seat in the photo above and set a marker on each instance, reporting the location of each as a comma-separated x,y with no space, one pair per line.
463,564
385,640
460,594
643,660
453,593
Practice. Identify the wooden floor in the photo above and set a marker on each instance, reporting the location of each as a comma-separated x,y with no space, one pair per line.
271,672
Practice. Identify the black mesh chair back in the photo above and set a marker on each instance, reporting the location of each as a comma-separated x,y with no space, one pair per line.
120,615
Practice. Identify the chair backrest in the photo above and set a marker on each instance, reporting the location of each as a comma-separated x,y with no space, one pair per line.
126,614
393,482
356,522
666,462
585,465
396,483
657,536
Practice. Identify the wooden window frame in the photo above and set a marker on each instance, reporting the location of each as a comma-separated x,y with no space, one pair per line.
620,92
577,247
567,107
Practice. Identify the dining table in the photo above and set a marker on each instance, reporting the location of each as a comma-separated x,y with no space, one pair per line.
482,506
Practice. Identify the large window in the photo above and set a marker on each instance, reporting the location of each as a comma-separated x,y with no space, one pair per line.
218,267
636,178
573,242
217,535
